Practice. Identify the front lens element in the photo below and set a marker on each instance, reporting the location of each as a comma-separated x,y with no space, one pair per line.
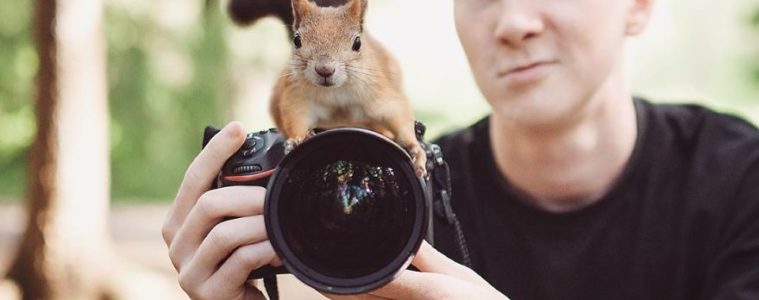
346,219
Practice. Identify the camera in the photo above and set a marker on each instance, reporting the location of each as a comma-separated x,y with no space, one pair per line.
344,210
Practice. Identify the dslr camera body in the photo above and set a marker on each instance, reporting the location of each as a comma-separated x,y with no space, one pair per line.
344,210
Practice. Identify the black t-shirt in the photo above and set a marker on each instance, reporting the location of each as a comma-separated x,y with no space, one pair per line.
682,222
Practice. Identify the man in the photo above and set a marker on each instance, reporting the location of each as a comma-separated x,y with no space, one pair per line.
570,189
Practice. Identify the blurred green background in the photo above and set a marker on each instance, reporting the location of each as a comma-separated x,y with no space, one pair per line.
175,66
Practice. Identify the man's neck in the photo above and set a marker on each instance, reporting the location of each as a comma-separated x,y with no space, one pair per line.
573,165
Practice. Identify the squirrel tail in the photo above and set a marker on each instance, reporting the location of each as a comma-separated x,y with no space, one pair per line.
247,12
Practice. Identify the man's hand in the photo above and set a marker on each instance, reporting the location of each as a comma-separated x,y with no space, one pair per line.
213,258
439,278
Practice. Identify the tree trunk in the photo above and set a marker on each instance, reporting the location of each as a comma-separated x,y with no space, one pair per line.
64,253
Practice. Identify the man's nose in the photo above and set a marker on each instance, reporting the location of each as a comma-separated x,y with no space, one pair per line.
518,22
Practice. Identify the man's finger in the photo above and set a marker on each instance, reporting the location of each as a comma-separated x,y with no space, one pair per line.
201,174
354,297
225,238
213,206
416,285
233,273
428,259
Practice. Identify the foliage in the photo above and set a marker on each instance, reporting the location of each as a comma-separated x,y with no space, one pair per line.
157,112
19,61
755,24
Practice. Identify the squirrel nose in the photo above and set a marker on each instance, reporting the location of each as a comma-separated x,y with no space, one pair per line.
325,71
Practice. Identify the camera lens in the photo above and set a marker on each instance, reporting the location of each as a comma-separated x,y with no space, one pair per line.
346,218
346,211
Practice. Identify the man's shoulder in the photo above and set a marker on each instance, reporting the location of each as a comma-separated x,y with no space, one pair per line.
716,153
695,125
700,133
457,140
700,181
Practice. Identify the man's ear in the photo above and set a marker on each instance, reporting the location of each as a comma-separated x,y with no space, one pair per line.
301,8
638,16
357,9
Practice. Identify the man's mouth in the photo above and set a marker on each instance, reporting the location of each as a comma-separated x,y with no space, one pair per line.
527,74
524,68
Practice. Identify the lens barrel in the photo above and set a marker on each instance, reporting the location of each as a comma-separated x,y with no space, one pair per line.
345,211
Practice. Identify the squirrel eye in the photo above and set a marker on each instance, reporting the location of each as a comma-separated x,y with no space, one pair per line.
357,44
297,42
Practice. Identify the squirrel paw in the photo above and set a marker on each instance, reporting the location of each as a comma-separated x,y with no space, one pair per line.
291,143
420,161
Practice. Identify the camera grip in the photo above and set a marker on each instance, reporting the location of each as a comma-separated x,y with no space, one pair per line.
266,271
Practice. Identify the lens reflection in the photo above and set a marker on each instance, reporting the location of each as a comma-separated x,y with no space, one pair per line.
346,218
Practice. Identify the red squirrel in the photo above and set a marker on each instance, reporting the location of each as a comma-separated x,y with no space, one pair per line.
338,75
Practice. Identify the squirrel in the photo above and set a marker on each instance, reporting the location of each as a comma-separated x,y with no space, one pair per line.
338,76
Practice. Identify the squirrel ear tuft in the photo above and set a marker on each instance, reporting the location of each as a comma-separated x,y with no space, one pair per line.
357,9
301,8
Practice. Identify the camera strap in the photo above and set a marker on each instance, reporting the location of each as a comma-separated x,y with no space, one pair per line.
442,202
270,283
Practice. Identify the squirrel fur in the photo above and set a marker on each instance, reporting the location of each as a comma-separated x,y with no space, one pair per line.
338,76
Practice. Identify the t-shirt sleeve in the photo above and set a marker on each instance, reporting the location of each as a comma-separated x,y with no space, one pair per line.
734,271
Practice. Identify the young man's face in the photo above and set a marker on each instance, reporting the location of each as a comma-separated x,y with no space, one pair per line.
539,61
